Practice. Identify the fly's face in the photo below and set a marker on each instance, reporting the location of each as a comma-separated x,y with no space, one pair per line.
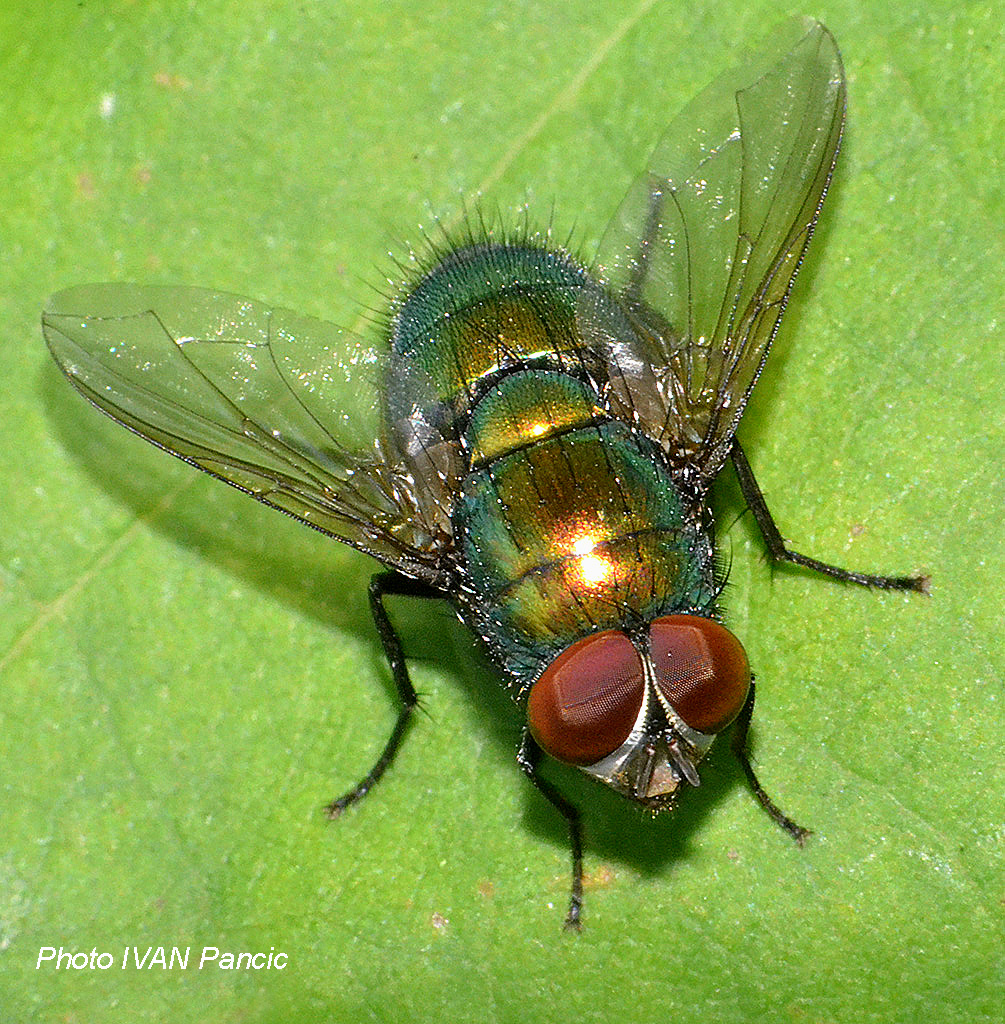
640,713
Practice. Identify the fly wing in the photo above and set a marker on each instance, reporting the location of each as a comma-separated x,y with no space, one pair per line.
704,249
262,398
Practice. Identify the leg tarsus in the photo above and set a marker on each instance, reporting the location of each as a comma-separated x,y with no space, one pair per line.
528,757
382,585
780,553
741,730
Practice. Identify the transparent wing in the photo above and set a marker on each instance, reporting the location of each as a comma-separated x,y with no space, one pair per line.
262,398
704,249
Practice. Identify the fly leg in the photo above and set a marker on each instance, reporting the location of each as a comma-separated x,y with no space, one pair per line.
739,746
528,758
780,553
382,585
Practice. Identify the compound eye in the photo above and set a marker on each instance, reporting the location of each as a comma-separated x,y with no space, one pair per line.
587,700
701,669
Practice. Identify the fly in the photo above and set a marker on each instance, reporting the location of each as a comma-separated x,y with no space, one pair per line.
543,437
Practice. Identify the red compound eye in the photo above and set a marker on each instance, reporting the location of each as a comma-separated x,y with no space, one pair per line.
701,669
585,703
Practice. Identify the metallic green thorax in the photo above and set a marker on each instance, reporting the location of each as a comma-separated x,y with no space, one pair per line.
565,520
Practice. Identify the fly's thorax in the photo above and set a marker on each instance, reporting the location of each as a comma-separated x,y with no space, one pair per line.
639,712
577,531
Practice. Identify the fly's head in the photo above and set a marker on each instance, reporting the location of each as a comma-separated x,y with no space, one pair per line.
639,712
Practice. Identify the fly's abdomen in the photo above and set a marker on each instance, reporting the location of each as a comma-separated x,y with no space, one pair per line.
564,519
482,309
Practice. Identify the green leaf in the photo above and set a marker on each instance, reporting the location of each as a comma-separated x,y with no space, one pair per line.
188,677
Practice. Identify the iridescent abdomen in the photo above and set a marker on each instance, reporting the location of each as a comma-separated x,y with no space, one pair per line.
565,520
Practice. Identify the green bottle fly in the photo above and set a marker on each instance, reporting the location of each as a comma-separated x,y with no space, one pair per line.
543,441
